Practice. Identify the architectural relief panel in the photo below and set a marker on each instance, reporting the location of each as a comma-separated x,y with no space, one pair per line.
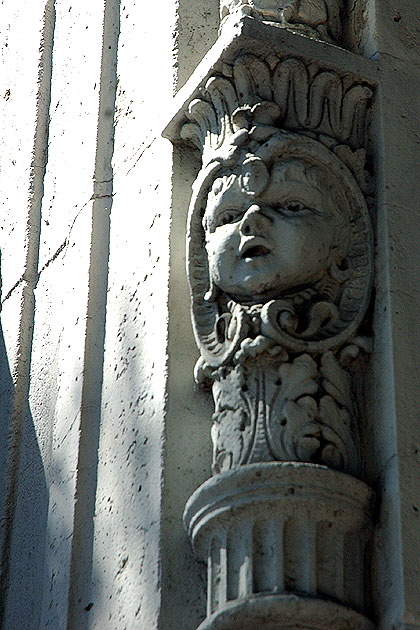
282,93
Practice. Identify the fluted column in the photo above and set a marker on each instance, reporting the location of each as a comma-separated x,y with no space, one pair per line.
285,531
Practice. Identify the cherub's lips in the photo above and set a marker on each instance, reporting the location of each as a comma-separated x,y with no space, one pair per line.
253,248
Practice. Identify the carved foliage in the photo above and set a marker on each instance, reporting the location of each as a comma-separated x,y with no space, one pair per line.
271,406
295,96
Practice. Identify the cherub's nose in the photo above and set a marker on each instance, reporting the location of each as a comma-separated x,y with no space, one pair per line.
254,220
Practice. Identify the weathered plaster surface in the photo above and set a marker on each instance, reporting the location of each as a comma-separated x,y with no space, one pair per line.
54,316
23,164
196,31
188,446
126,570
22,36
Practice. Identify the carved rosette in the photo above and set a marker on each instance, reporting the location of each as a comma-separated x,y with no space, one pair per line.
280,264
320,19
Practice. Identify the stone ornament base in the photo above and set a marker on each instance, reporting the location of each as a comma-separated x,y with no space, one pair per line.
283,528
252,487
285,612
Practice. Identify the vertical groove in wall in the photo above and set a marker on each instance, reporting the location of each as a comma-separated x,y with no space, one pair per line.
83,529
21,370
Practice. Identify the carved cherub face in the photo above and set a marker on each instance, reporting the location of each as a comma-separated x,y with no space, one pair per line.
261,245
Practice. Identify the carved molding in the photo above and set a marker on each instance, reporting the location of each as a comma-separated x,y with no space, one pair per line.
287,612
316,18
282,93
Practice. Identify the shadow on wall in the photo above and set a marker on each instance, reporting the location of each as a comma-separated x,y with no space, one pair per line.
126,579
24,512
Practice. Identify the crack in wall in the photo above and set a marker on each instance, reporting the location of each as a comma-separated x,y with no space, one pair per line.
64,245
22,279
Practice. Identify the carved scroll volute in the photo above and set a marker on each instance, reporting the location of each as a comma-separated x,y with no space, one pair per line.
317,18
280,261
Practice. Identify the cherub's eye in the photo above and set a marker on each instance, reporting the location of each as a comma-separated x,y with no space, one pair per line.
228,216
295,206
292,207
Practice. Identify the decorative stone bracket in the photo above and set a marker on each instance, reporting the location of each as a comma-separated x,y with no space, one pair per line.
280,265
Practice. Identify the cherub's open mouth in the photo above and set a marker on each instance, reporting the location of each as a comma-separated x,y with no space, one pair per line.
255,251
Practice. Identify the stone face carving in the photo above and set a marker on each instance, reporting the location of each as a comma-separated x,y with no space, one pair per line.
316,18
280,263
286,254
